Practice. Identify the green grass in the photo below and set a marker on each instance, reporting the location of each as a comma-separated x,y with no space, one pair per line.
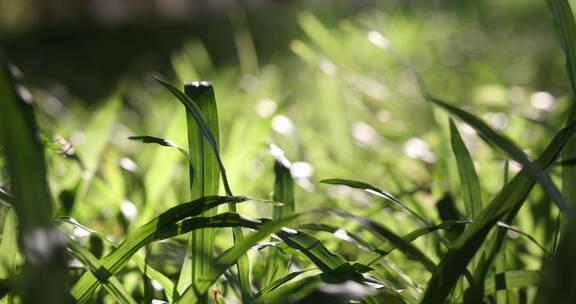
132,217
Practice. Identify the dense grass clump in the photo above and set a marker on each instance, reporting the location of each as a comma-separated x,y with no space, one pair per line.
165,222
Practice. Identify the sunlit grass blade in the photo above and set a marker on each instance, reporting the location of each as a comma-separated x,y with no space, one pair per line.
505,144
9,253
507,227
375,191
6,198
10,257
162,142
196,113
290,291
407,248
41,243
277,263
204,180
108,280
510,197
470,184
381,252
279,282
144,235
338,232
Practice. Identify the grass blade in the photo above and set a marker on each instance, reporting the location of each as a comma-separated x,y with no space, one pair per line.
144,235
378,254
407,248
41,243
279,282
277,263
505,144
137,258
512,196
109,281
162,142
204,180
468,177
375,191
196,113
9,256
559,285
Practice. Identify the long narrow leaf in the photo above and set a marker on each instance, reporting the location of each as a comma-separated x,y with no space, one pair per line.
196,113
512,196
468,177
204,180
150,272
42,244
505,144
277,263
144,235
162,142
407,248
375,191
109,281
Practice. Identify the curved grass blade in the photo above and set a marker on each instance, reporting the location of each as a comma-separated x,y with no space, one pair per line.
6,198
316,252
507,145
407,248
229,258
109,281
160,141
290,292
468,177
375,191
277,263
279,282
144,235
195,113
378,254
512,196
45,262
523,233
338,232
204,180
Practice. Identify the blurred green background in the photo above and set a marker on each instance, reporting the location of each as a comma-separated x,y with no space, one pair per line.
329,82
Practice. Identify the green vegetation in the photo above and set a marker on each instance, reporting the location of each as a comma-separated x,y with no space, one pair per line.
345,178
